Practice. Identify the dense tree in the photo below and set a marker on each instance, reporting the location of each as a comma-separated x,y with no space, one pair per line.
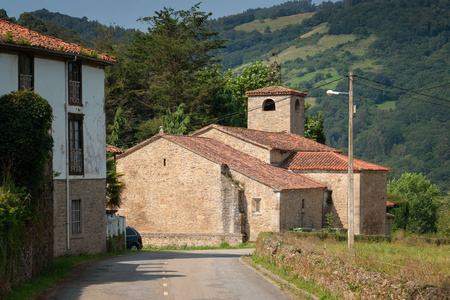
164,67
422,199
443,216
4,16
233,95
314,126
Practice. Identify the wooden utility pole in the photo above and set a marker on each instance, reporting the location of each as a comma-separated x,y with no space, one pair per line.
350,202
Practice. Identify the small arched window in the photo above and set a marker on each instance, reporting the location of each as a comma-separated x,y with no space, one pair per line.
269,104
297,105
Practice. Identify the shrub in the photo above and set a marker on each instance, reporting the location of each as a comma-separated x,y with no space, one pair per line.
14,212
421,195
25,141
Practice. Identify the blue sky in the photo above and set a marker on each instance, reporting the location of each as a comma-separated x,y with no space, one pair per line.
125,13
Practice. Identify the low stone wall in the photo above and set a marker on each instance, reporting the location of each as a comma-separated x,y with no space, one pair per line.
347,281
189,239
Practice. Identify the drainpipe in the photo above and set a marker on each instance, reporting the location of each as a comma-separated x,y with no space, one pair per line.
66,135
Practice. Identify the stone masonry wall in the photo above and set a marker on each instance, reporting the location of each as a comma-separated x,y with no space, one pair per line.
233,214
286,116
337,183
277,157
189,239
292,213
173,195
268,218
369,199
93,206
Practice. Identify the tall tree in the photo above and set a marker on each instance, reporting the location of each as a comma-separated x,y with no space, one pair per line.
163,64
230,101
113,138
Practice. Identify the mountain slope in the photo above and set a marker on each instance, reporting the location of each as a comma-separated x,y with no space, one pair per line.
393,46
388,44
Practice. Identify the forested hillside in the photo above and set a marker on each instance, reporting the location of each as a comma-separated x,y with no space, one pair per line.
398,50
71,29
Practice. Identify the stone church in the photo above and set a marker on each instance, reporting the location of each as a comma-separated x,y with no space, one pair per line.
228,184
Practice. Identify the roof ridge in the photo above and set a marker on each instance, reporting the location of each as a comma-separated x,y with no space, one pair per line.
338,162
272,140
275,90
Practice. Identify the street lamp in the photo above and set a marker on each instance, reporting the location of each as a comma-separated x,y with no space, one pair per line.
350,203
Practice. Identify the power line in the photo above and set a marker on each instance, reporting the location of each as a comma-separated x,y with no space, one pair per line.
410,91
327,83
380,89
431,88
221,118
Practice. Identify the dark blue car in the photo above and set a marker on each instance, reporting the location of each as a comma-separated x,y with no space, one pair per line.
134,239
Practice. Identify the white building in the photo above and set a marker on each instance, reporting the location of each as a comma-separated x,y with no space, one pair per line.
71,78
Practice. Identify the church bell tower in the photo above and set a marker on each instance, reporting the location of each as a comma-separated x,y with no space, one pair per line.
276,109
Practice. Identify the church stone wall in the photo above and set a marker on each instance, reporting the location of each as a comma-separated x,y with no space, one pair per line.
336,182
268,217
301,208
288,116
369,198
176,197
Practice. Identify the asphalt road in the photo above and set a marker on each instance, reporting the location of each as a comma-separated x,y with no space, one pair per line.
179,275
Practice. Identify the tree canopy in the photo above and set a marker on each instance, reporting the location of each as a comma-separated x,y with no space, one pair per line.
421,204
163,68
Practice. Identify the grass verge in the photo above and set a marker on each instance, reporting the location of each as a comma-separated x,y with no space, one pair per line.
306,285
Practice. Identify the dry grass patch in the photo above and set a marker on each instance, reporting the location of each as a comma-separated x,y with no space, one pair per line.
320,29
406,259
261,25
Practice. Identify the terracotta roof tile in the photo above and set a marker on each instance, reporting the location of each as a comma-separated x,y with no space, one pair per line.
114,149
272,140
27,37
327,161
275,90
243,163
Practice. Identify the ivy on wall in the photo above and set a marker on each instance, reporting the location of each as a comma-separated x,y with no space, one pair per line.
25,139
25,147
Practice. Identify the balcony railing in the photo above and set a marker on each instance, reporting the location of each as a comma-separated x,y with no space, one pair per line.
76,161
26,82
74,92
